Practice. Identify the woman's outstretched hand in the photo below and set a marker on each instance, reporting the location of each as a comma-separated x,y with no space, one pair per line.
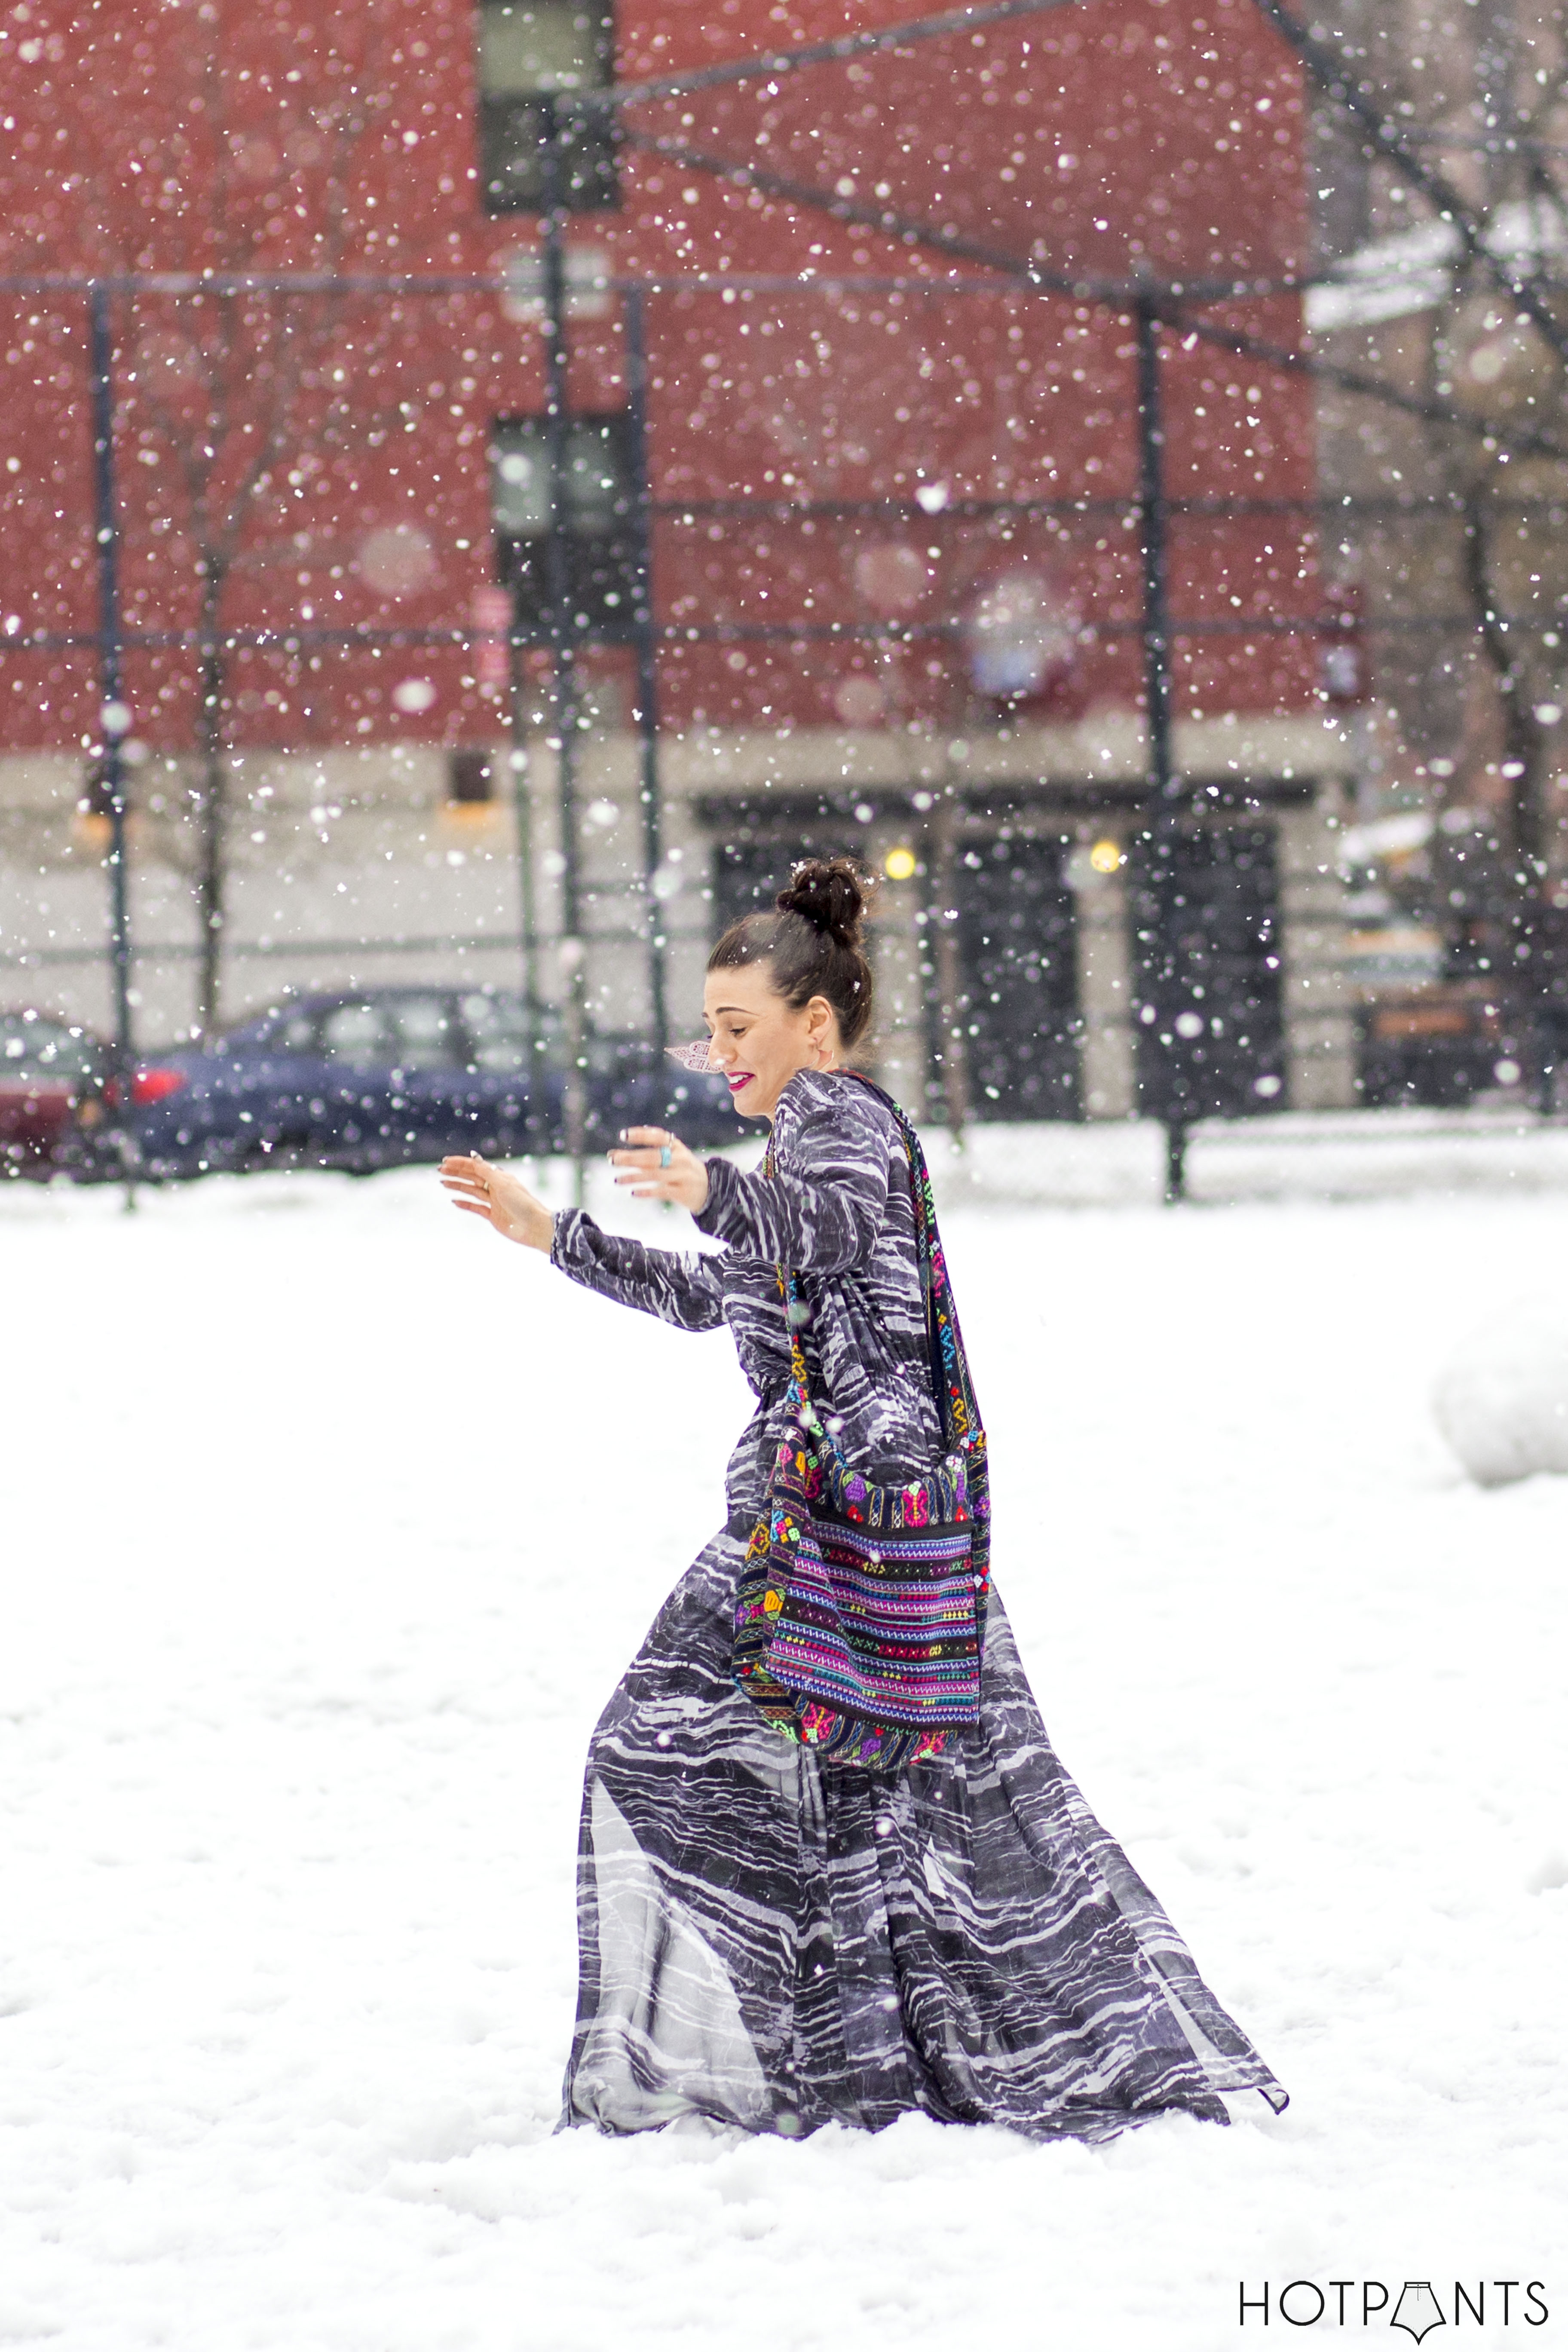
657,1166
502,1198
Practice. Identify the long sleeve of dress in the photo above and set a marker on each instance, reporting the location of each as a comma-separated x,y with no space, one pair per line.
821,1210
683,1289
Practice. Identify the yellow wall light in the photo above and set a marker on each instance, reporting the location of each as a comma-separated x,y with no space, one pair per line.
899,864
1105,857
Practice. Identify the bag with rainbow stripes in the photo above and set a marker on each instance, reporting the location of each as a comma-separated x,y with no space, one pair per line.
860,1611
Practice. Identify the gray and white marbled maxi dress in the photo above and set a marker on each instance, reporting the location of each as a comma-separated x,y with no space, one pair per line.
776,1943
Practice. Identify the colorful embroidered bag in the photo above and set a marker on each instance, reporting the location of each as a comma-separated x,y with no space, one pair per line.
860,1611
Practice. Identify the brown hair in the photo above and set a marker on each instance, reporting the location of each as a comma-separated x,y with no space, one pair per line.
811,940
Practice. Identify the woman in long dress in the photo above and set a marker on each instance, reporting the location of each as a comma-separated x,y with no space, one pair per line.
767,1940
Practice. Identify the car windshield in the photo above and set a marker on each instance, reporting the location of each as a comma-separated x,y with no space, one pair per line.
295,1034
426,1036
391,1033
359,1035
33,1047
497,1023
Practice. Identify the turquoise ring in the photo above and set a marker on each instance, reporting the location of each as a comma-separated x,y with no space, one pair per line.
665,1154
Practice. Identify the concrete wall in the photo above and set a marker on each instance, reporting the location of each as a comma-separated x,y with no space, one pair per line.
330,855
322,853
1104,981
1319,1024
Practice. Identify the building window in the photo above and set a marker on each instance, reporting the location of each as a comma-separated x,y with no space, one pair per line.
530,56
596,517
471,774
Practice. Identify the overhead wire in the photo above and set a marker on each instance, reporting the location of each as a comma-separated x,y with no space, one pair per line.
773,64
1173,296
1439,191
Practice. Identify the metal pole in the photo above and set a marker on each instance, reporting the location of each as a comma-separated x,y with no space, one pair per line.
522,816
953,1002
523,807
1165,785
563,630
647,661
1155,524
112,720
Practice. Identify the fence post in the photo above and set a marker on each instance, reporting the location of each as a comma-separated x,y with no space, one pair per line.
523,811
1163,819
113,716
563,630
953,1002
647,661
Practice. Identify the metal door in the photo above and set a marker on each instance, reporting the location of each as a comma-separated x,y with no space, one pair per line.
1017,952
1210,1026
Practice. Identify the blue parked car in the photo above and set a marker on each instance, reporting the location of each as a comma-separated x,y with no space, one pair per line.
377,1077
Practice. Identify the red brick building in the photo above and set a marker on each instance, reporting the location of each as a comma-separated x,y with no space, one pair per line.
896,545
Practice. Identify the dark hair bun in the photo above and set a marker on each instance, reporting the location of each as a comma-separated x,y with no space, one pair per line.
810,941
831,893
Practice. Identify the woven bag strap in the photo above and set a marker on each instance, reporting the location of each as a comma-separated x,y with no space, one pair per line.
789,1298
951,1387
958,1415
957,1409
789,1291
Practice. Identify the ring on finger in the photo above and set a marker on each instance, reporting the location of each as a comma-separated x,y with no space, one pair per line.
665,1154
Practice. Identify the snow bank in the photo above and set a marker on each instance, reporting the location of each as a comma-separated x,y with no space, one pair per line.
1487,1149
318,1558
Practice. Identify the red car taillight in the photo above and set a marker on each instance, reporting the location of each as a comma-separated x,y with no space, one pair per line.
151,1086
147,1086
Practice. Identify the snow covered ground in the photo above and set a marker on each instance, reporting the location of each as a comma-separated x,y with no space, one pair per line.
328,1524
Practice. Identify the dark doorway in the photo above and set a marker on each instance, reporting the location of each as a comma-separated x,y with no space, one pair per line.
1019,965
748,873
1210,1028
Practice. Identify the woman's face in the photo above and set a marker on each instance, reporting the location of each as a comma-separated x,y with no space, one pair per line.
759,1041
